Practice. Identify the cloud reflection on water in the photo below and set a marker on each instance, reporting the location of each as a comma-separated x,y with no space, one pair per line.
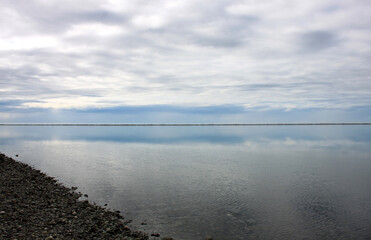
225,135
231,182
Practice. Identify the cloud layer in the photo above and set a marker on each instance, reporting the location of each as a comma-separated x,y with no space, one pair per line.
254,54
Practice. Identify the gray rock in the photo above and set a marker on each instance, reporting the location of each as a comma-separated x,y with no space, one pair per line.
34,205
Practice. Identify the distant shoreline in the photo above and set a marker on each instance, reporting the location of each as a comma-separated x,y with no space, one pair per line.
177,124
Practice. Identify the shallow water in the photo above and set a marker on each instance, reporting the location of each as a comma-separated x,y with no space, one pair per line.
275,182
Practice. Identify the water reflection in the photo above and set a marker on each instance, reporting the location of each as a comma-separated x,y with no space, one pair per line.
225,135
227,182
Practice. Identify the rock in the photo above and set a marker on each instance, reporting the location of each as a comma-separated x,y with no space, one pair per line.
250,221
155,234
30,201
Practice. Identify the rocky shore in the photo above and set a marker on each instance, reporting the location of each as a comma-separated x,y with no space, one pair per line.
35,206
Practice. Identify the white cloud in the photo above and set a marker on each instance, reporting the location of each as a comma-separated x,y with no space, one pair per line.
94,29
28,43
148,21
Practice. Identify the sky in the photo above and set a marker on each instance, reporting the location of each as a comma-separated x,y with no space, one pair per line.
185,61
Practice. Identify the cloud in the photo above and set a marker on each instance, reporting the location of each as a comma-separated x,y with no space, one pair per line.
318,40
252,54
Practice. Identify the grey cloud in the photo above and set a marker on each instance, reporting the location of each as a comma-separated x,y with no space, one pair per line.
276,86
219,41
9,104
98,16
231,32
228,31
25,83
318,40
18,76
332,8
57,18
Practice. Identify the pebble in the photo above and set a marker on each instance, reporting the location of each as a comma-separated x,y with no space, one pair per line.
26,193
250,221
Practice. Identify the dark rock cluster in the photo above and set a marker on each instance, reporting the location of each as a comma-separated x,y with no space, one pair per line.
35,206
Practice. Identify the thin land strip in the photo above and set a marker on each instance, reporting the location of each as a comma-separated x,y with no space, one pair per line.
35,206
181,124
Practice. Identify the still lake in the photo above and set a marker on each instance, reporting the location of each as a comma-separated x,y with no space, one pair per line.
233,182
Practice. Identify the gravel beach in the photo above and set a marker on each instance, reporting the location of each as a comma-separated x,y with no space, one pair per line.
35,206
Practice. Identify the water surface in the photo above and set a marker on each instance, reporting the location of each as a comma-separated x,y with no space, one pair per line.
273,182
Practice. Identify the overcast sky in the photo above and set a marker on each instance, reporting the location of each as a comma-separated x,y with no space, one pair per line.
252,54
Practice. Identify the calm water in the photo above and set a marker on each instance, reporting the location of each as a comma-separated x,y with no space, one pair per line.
286,182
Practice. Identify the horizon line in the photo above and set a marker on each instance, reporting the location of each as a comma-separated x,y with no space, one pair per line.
183,124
